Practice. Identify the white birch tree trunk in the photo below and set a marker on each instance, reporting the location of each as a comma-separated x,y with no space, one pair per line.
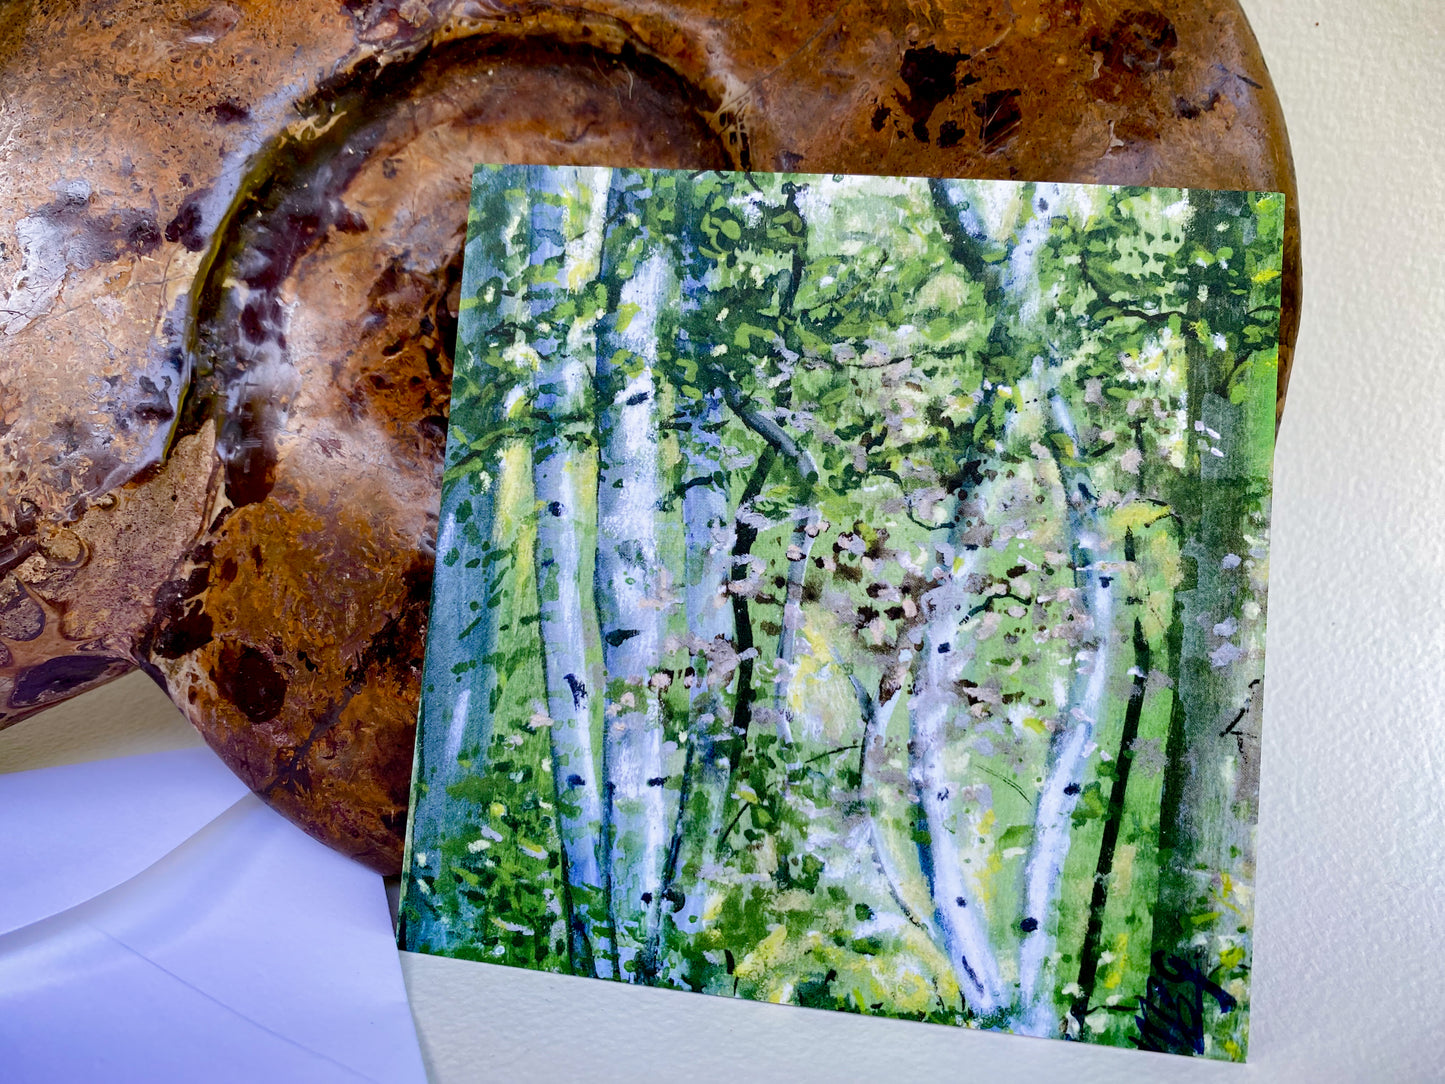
707,524
708,533
944,653
632,600
799,546
1068,753
566,226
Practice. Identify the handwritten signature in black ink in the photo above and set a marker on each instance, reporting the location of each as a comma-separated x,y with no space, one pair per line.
1171,1012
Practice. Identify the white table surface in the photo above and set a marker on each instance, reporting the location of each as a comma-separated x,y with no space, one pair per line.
158,923
1350,933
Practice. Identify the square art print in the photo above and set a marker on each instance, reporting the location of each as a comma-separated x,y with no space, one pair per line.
850,593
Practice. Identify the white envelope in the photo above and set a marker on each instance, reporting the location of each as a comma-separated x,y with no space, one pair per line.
159,923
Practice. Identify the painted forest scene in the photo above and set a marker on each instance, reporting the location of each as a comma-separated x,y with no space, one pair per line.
850,593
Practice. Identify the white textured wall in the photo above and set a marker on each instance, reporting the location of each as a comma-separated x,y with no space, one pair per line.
1350,935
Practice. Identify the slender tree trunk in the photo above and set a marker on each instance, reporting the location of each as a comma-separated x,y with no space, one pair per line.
870,745
707,522
1113,822
799,546
710,539
709,536
807,519
944,653
566,227
1068,762
632,602
1090,954
745,535
807,523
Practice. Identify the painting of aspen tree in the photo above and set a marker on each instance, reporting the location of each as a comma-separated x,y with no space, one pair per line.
850,593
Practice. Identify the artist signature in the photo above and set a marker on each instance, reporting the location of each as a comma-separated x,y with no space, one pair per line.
1171,1012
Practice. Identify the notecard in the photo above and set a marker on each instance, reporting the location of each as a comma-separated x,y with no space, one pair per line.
850,593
